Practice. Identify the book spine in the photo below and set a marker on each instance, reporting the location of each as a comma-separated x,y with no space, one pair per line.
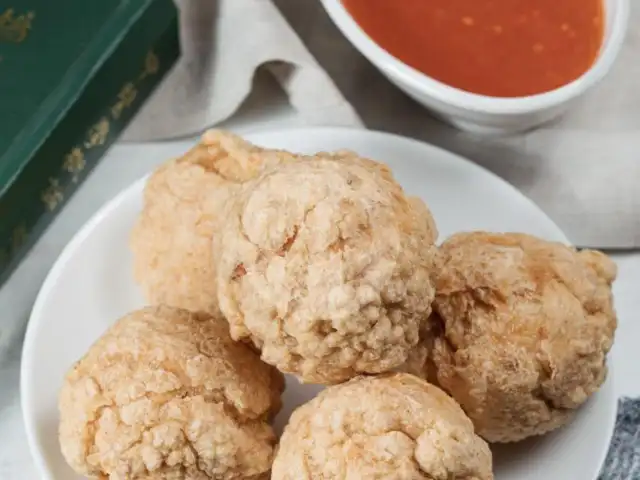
76,145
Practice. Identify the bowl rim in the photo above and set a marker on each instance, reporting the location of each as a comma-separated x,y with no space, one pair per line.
462,99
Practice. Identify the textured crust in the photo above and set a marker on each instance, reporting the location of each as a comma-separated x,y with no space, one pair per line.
394,426
524,329
166,394
326,267
183,202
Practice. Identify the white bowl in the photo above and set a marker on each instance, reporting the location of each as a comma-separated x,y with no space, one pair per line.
480,113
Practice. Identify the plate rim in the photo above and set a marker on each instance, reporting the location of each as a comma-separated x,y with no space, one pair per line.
27,357
38,454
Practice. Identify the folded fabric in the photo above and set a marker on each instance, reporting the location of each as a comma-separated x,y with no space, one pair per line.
224,43
623,459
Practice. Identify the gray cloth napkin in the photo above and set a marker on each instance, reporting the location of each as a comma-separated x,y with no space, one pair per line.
224,44
623,459
583,171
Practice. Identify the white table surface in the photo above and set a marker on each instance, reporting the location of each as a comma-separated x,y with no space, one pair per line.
126,162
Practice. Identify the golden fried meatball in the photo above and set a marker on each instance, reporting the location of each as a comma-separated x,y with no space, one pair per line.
394,426
326,267
166,394
525,326
183,202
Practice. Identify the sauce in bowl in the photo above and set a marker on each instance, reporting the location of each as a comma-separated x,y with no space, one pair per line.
499,48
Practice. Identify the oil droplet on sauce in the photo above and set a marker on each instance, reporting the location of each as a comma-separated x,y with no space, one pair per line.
508,52
468,21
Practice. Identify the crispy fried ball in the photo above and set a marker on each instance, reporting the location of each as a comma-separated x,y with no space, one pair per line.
394,426
183,201
326,267
525,326
166,394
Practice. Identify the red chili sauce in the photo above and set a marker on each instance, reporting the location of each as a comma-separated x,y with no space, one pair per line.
500,48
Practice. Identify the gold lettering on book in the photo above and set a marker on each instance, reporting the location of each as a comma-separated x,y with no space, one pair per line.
126,97
151,65
14,29
128,93
52,195
18,237
98,133
74,163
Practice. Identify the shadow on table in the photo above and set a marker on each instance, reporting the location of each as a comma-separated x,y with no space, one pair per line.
10,374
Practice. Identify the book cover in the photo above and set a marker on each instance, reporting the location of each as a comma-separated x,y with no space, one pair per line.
72,75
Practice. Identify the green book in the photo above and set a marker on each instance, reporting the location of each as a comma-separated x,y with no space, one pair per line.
72,75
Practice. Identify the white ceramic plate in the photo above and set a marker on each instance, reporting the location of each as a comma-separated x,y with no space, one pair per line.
91,285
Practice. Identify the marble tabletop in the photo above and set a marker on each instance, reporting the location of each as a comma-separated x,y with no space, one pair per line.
126,162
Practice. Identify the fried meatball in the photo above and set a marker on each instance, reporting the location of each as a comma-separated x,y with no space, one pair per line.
166,394
326,268
525,327
394,426
183,202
